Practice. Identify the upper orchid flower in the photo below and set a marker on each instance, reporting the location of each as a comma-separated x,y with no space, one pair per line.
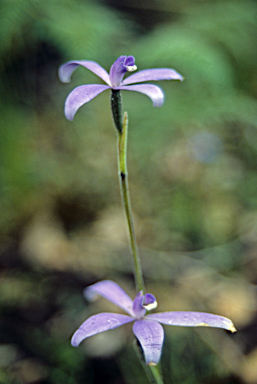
147,328
84,93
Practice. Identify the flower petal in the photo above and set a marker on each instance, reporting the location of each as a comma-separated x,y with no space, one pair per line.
193,319
117,71
153,75
155,93
80,96
112,292
138,308
67,69
150,335
98,323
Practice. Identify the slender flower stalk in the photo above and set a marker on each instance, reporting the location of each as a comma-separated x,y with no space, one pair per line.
153,372
157,376
123,175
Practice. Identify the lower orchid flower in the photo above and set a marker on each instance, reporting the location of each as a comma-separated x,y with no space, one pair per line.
147,328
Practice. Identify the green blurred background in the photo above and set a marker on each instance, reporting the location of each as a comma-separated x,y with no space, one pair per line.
193,176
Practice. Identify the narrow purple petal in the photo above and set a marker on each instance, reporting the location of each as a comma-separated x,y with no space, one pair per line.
193,319
155,93
150,335
112,292
98,323
152,75
67,69
81,95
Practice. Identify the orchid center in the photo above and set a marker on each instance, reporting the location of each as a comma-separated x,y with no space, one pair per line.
122,65
143,303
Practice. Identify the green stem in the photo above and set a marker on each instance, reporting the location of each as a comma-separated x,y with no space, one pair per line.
122,129
152,372
155,370
123,174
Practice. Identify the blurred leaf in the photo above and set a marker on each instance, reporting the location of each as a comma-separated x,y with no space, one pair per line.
83,29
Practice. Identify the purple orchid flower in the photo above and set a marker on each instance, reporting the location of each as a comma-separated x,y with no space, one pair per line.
84,93
147,328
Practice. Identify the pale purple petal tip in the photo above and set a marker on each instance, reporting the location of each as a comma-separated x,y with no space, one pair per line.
80,96
112,292
152,91
193,319
152,75
98,323
150,335
67,69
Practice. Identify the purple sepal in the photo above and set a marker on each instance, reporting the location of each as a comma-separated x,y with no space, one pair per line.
155,93
80,96
152,75
67,69
193,319
112,292
150,335
99,323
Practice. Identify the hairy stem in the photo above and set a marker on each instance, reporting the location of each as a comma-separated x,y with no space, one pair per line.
116,105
